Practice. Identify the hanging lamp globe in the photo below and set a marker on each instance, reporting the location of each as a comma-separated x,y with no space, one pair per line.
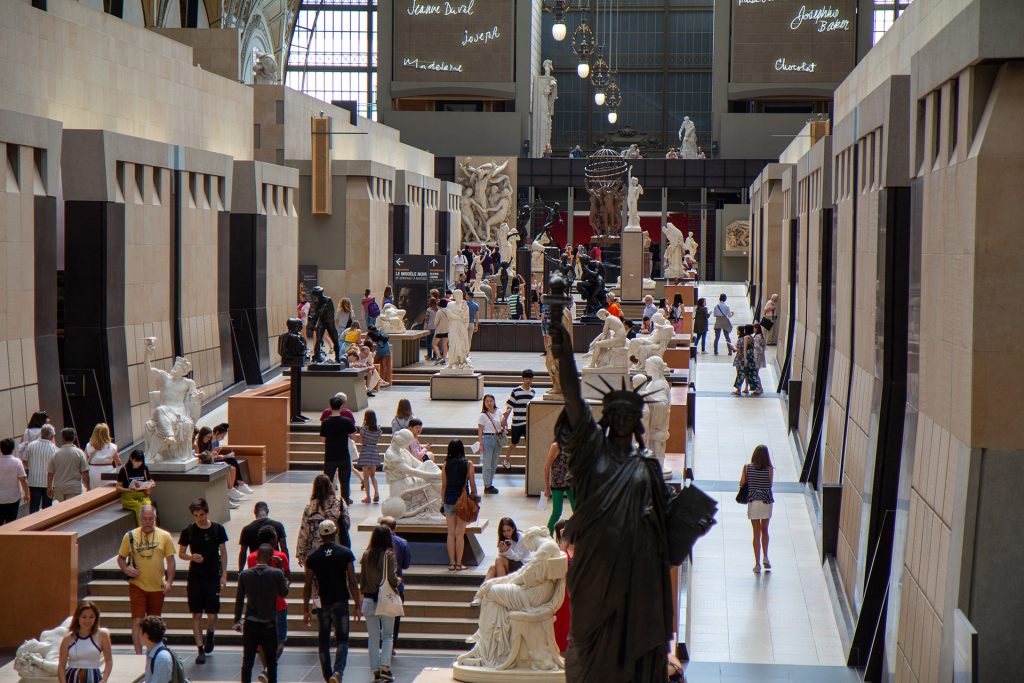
583,69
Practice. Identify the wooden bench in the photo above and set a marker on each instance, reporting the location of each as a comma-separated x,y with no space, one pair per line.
42,565
253,460
260,416
429,542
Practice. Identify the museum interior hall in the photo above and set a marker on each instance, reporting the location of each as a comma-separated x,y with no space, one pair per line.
511,341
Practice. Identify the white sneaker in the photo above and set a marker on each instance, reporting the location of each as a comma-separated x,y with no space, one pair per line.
232,505
243,487
235,495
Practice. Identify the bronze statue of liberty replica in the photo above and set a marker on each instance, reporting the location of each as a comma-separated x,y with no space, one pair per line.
629,529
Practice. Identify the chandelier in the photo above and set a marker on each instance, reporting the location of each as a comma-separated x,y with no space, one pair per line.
583,44
613,97
599,72
559,8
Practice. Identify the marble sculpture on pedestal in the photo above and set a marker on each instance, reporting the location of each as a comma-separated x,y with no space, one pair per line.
478,273
635,189
688,139
38,659
459,362
176,405
690,244
642,347
608,350
264,68
391,319
673,251
546,96
508,240
415,486
658,406
517,614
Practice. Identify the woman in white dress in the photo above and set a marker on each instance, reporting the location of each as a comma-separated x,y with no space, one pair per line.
102,454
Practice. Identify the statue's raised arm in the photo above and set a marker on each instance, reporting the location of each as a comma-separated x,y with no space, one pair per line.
153,372
561,348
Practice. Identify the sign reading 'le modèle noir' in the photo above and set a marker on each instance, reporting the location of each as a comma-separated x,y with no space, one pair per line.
454,42
787,41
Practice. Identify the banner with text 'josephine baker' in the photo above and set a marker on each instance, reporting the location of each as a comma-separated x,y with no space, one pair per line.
792,41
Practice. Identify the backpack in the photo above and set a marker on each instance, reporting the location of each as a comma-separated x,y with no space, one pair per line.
177,668
373,310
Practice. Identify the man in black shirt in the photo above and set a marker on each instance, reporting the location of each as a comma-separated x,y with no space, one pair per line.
207,572
248,541
258,590
332,565
335,431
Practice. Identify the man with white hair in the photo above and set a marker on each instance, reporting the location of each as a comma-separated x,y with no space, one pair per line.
146,557
37,456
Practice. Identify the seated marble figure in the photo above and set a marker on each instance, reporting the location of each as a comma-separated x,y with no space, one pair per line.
517,613
38,659
415,485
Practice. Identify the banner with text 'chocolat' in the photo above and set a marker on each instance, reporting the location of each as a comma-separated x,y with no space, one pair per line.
453,41
792,41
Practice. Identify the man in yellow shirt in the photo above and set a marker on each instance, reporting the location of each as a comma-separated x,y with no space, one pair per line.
146,556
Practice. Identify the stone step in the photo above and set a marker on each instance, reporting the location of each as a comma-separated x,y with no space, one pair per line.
430,626
178,605
182,639
423,593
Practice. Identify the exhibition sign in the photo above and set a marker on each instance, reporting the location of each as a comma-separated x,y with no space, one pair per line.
413,276
466,41
792,41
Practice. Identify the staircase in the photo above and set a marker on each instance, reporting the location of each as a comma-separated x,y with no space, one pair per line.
437,609
416,376
307,451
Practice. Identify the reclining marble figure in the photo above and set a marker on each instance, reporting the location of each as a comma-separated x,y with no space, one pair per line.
415,486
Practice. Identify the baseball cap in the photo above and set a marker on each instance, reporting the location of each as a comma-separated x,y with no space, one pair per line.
328,528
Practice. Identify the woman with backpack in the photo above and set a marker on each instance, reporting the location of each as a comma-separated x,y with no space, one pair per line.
377,565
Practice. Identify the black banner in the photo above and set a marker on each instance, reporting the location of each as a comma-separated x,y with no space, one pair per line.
414,275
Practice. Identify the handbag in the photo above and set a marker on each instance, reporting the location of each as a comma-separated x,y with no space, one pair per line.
501,435
767,323
389,603
466,507
743,495
690,515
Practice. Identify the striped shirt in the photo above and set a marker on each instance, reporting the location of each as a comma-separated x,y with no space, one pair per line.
37,457
518,401
759,485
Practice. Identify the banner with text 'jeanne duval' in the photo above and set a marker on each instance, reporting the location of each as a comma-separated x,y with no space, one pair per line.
454,41
792,41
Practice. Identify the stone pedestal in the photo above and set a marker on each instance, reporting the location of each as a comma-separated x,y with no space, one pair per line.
429,542
593,386
632,279
540,424
178,466
484,302
175,490
405,347
476,674
455,387
318,386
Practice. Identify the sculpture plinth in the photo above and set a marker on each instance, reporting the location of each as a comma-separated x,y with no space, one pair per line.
173,465
456,386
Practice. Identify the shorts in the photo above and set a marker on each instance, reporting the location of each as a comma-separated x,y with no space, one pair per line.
384,349
758,509
516,433
145,603
449,510
514,566
203,595
282,625
440,335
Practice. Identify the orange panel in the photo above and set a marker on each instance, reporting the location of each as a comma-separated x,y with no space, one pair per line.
262,421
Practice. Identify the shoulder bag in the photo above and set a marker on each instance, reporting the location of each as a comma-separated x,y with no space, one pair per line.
498,433
767,323
744,492
389,603
466,507
130,560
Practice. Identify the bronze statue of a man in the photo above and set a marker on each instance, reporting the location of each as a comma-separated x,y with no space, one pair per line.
291,346
321,319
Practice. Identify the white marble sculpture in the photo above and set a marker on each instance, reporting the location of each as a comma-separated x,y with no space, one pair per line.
478,272
632,198
608,350
687,139
37,659
690,245
415,486
651,345
391,319
673,251
264,67
516,638
176,405
508,240
487,200
537,247
657,394
459,362
545,93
